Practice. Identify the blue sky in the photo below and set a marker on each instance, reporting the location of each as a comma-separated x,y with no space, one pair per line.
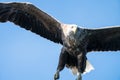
27,56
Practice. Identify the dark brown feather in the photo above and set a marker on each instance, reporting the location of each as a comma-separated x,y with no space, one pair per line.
106,39
31,18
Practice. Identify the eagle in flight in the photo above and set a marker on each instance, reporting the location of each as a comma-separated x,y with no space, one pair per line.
76,41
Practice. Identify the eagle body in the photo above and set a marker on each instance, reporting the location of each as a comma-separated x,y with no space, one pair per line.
76,41
72,36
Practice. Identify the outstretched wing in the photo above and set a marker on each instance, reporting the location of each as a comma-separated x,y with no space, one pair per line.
106,39
31,18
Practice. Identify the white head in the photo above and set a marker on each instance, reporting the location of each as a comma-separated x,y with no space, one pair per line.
69,29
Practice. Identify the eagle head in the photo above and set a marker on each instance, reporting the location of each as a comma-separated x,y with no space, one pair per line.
69,29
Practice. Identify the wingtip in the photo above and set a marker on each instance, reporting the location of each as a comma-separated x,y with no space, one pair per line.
15,2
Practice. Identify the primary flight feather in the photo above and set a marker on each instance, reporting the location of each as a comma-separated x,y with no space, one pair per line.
76,41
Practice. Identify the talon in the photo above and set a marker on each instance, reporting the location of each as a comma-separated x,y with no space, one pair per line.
56,76
79,77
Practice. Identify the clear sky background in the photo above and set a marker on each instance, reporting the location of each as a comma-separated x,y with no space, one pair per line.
27,56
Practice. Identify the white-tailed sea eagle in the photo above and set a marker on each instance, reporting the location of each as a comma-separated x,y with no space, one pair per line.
76,41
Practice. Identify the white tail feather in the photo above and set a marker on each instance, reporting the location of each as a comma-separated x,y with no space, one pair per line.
74,70
88,68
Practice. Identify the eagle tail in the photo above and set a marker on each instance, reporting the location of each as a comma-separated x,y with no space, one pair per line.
88,68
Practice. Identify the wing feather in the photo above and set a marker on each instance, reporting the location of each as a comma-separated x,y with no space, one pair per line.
106,39
31,18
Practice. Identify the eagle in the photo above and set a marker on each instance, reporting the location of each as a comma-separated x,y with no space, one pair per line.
76,41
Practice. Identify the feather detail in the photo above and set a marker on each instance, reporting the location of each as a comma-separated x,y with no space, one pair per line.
88,68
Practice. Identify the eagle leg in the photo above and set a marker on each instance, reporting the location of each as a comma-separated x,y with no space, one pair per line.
56,76
81,64
62,62
79,76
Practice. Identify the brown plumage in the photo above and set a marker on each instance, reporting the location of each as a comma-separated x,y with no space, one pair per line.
76,41
31,18
105,39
